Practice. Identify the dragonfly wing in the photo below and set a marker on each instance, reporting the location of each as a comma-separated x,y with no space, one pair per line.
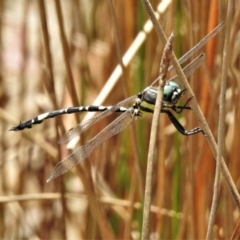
82,127
84,151
200,44
191,67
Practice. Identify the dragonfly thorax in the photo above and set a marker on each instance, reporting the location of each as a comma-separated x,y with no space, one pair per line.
171,94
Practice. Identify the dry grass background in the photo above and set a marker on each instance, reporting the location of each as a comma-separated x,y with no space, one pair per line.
103,197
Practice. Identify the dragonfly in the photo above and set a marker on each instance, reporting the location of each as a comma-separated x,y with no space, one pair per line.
142,102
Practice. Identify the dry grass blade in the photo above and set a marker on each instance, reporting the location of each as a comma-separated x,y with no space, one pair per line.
221,125
164,64
66,54
236,232
107,201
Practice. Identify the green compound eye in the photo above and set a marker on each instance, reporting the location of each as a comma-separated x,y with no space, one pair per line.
172,84
171,92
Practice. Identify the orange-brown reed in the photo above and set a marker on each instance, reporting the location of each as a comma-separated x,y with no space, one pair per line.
102,198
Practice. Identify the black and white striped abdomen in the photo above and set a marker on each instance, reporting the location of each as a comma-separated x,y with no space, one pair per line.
40,118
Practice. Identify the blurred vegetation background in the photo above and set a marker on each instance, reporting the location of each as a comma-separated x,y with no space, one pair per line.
57,54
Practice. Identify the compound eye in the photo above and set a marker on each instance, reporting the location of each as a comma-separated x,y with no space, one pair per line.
171,92
167,93
174,85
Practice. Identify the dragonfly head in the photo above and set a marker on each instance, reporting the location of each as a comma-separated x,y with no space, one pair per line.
172,93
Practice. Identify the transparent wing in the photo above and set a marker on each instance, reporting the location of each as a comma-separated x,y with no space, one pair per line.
84,151
76,131
189,69
200,44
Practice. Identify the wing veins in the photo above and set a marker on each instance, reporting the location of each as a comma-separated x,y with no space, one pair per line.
84,151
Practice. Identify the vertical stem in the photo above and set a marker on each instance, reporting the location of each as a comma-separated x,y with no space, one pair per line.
221,126
51,90
153,136
66,54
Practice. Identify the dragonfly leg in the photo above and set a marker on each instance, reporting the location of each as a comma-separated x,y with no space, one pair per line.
179,126
179,109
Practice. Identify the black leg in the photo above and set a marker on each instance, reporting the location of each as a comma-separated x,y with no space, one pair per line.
179,126
179,109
